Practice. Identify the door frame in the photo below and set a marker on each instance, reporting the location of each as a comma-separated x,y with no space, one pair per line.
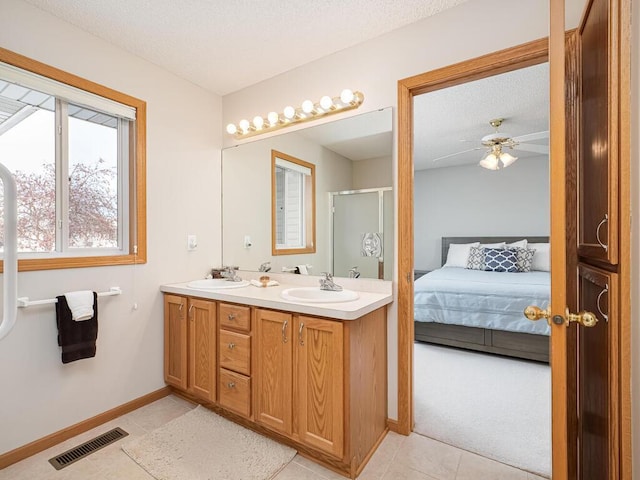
509,59
521,56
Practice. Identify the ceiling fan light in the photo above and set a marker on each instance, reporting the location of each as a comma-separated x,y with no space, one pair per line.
490,162
507,159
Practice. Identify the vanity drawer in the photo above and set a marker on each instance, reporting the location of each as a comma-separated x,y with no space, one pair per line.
235,316
235,392
235,351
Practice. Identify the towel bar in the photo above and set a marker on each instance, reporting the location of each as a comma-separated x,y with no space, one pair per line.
24,302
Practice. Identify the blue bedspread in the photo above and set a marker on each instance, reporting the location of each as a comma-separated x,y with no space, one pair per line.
475,298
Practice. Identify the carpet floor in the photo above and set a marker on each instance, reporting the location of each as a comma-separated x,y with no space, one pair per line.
495,406
201,445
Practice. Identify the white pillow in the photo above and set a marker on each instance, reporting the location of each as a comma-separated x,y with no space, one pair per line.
501,245
519,244
541,260
458,254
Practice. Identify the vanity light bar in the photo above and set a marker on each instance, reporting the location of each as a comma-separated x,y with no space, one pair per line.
347,100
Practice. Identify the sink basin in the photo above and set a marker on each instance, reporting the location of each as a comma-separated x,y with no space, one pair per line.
216,284
315,295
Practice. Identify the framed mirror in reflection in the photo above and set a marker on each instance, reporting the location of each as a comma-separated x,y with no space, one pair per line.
344,158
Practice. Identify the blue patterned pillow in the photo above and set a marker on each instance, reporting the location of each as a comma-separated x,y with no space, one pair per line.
500,260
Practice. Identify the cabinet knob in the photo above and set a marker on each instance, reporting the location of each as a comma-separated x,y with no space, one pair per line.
231,346
231,385
231,317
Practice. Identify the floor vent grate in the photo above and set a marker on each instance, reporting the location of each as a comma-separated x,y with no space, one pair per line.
87,448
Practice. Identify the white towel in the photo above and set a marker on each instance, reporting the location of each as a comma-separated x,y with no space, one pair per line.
303,269
81,304
258,283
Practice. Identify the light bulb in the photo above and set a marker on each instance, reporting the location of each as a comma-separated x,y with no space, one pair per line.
231,129
244,125
307,106
507,159
490,162
273,118
289,112
258,122
346,96
326,103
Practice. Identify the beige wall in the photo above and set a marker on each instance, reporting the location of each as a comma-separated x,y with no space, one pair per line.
40,395
373,173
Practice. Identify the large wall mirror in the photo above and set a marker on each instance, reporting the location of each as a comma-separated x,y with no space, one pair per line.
353,174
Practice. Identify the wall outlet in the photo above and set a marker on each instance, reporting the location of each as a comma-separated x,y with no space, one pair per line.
192,242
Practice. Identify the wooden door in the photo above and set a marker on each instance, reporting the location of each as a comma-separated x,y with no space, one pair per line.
589,243
202,349
319,361
175,341
274,387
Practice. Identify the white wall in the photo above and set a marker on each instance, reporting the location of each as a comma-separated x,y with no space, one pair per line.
374,67
247,201
472,201
373,173
40,395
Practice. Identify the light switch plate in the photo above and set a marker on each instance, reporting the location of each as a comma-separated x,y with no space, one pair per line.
192,242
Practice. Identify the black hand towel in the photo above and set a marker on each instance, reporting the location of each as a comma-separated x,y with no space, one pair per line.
77,339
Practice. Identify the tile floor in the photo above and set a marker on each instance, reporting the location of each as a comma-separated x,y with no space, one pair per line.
398,458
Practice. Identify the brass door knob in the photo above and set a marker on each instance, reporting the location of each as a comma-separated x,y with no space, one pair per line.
534,313
586,319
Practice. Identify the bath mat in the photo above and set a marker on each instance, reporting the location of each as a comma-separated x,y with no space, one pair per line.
201,445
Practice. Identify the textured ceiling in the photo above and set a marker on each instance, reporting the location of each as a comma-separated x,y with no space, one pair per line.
455,119
226,45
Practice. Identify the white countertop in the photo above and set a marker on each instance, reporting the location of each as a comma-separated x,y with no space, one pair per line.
269,297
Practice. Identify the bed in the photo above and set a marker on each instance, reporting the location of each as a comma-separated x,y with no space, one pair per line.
481,310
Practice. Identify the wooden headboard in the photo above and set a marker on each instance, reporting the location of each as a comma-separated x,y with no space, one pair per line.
446,241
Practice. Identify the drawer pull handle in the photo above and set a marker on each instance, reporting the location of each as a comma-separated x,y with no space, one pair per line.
190,308
231,346
231,317
300,334
605,290
604,220
231,385
284,331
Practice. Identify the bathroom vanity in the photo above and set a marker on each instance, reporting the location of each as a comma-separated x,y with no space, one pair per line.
311,375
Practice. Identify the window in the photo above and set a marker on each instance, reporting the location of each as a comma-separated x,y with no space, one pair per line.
293,205
76,150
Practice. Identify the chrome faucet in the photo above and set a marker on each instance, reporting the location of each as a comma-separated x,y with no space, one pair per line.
265,267
326,283
230,273
354,273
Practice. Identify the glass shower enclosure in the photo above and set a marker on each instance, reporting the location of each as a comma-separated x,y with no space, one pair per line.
362,237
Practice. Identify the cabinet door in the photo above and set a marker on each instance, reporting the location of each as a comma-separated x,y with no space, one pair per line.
175,341
320,390
598,134
274,370
202,349
598,380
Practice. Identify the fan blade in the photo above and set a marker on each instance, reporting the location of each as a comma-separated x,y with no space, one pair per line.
532,147
457,153
531,136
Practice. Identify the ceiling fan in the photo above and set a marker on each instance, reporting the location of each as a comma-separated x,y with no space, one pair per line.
496,143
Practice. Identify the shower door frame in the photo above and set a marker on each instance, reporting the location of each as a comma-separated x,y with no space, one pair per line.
380,191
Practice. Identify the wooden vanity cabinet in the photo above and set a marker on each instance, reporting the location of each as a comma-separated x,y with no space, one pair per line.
322,383
190,345
317,384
